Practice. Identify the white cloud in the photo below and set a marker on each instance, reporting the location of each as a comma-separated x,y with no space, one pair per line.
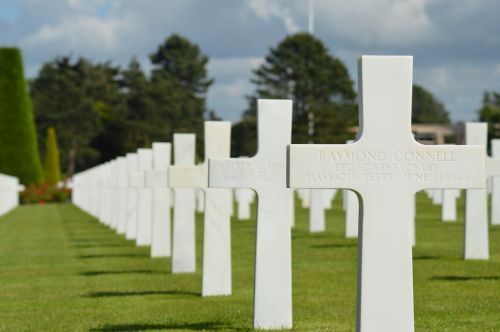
229,68
232,84
454,47
267,9
459,86
376,22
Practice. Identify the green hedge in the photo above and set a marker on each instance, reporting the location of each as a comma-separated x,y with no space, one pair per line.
51,162
18,142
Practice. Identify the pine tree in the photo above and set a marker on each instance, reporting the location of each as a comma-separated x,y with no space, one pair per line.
301,68
179,85
18,140
426,108
51,162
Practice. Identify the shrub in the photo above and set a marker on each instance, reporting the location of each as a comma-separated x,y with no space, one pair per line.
51,162
18,141
45,193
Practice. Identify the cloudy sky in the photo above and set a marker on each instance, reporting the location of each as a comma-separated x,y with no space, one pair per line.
456,44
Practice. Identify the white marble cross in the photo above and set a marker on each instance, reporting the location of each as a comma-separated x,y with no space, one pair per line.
244,199
9,193
317,211
449,207
144,199
265,173
157,180
305,196
113,194
133,182
437,197
329,196
216,276
476,244
121,183
104,189
495,190
386,166
184,231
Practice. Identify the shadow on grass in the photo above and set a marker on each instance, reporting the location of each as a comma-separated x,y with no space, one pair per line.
203,326
337,245
463,278
102,245
94,240
112,256
140,293
99,273
427,257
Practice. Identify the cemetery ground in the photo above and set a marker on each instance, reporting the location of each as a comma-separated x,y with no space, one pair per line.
63,271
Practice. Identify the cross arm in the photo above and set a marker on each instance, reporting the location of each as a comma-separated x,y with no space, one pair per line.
413,166
188,176
156,179
136,179
232,173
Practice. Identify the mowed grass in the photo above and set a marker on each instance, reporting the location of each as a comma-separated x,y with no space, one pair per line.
60,270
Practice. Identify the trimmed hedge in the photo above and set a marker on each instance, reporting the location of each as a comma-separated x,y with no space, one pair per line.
18,141
51,162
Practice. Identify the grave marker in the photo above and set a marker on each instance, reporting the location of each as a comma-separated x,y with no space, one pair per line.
449,208
265,173
184,233
317,211
217,229
244,198
495,186
157,180
121,183
476,244
386,166
134,178
144,198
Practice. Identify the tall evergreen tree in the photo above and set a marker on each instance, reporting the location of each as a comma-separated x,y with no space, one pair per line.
18,141
179,84
51,161
77,98
426,108
301,68
490,113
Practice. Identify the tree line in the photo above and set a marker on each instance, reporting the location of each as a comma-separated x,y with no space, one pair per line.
101,111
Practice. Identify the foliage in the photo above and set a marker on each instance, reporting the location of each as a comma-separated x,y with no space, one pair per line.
75,97
101,111
51,161
19,148
179,85
44,193
426,108
490,112
300,68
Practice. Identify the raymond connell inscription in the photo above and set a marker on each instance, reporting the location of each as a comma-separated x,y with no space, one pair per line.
383,166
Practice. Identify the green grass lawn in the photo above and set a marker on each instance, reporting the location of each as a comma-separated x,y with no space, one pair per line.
60,270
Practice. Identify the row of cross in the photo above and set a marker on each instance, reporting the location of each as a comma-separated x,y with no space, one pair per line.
384,166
